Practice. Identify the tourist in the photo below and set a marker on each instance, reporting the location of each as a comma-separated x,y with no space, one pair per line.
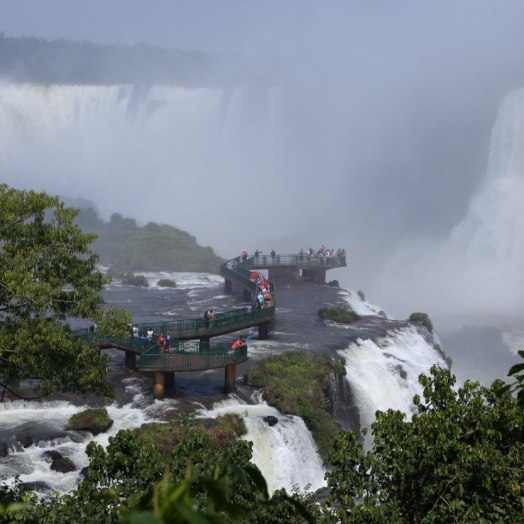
210,317
168,342
267,298
229,265
257,253
206,319
149,334
260,300
244,255
161,342
273,256
135,331
239,343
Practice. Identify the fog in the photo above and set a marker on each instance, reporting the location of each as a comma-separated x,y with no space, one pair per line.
389,128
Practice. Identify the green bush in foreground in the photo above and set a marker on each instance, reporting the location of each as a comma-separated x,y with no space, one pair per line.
422,317
341,315
297,385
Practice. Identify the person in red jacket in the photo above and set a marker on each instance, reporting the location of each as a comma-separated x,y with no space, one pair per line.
239,343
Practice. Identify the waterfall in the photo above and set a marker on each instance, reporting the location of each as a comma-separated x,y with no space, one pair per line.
285,453
375,370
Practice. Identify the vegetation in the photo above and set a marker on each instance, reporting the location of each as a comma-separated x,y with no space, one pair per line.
47,277
382,314
95,420
30,59
422,317
341,315
130,279
166,282
183,471
459,460
361,295
401,371
442,353
125,246
298,385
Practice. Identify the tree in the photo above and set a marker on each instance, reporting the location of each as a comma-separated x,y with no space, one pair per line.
48,279
459,460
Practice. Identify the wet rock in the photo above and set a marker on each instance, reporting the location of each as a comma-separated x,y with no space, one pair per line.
4,449
53,454
25,440
63,465
83,473
38,485
333,283
94,420
271,420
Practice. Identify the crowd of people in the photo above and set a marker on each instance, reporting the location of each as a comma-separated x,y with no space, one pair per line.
322,255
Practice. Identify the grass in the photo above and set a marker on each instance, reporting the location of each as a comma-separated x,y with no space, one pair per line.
298,385
341,315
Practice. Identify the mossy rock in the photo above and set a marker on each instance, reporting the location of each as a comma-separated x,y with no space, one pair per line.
166,282
63,465
340,315
135,280
296,384
94,420
422,317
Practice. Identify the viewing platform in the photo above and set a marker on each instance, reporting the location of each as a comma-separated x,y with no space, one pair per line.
192,346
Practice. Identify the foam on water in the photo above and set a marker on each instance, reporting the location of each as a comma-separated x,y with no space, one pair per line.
285,453
20,417
375,381
358,305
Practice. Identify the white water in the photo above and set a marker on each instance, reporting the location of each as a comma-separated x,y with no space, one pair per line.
361,307
285,453
21,417
376,384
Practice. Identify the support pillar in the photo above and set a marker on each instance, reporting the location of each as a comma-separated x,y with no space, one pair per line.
228,286
262,331
230,378
159,391
169,379
247,295
130,360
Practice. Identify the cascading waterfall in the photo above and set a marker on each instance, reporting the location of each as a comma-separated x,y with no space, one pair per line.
375,368
285,453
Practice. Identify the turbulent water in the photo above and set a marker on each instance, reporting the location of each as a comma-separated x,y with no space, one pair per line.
285,453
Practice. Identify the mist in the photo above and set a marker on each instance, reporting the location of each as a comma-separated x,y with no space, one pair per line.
391,129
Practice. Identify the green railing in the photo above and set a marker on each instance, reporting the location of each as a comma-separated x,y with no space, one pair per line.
296,259
219,356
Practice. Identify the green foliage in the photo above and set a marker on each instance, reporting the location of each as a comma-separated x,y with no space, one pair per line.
48,279
361,295
171,473
298,385
459,460
131,279
36,60
401,371
166,282
422,317
442,353
154,247
341,315
382,314
90,417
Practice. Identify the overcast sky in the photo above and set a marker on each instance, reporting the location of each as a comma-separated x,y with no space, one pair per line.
380,120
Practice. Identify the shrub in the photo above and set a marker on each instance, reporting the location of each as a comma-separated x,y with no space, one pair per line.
422,317
166,282
442,353
401,371
382,314
341,315
360,293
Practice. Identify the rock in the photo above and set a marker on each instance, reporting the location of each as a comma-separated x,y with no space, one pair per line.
38,485
94,420
25,440
83,473
333,283
63,465
4,449
53,454
271,420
